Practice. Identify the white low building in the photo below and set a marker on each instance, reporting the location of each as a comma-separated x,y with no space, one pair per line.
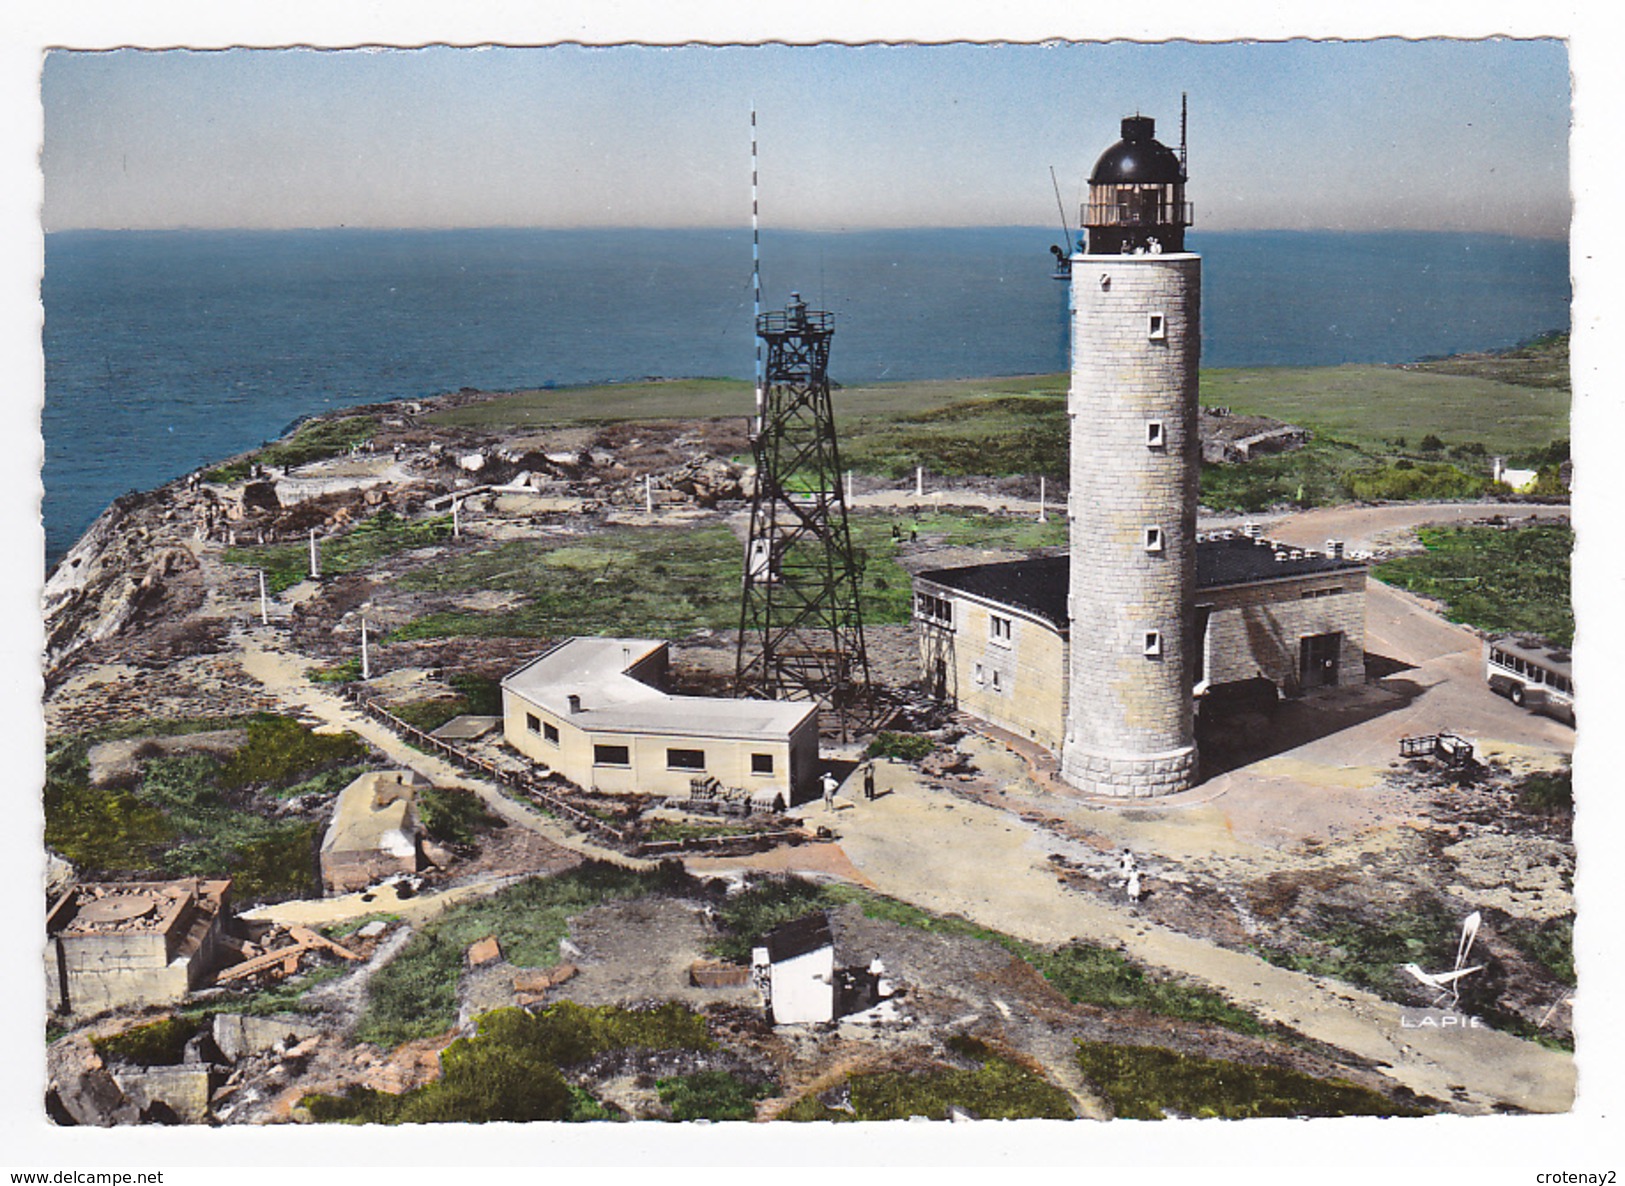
596,711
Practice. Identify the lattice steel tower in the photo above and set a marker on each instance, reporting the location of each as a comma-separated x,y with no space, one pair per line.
800,627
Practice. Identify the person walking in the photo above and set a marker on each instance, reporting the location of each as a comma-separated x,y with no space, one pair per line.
829,790
869,781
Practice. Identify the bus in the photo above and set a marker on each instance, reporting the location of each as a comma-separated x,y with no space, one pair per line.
1531,673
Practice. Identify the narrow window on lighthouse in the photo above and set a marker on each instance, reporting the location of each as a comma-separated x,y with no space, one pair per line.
1153,539
1158,327
1153,643
1154,436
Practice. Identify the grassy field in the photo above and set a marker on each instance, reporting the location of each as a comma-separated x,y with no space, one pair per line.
1503,581
1375,407
1511,403
668,584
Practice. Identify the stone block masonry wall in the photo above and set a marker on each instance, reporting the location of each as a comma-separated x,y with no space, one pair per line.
1258,629
1135,459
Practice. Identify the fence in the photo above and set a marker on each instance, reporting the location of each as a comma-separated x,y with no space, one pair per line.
523,782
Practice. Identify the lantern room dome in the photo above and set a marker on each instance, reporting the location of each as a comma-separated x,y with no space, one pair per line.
1138,159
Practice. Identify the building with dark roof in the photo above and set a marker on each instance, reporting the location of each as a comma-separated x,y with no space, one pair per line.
995,638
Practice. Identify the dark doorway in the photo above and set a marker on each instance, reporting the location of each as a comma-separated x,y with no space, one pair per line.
1317,660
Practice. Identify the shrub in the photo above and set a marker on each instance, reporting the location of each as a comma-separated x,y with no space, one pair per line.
454,816
1547,793
509,1069
281,750
711,1095
908,747
1424,481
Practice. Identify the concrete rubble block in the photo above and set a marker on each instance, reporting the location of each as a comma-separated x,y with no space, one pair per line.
485,951
538,980
182,1090
237,1034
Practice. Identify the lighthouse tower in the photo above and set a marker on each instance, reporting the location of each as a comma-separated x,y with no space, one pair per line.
1135,457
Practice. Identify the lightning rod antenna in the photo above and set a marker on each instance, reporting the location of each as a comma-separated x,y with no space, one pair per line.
1182,114
755,274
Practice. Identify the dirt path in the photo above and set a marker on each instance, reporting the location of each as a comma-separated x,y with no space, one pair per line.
940,852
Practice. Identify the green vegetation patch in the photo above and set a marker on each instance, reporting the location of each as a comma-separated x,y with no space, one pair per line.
454,816
192,815
415,994
509,1070
712,1095
1513,581
1371,953
1549,943
998,1089
315,440
1089,975
472,695
280,750
673,829
156,1044
1152,1083
1426,481
905,747
373,539
1547,793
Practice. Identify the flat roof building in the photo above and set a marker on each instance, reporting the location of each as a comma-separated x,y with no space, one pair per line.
596,711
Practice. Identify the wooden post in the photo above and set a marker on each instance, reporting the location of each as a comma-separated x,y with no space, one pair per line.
1041,517
919,481
315,560
265,617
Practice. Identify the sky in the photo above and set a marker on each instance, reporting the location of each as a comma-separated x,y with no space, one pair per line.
1361,135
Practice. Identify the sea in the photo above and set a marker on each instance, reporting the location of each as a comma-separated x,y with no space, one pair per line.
169,350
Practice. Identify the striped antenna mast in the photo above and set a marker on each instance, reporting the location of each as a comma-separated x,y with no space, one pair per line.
755,270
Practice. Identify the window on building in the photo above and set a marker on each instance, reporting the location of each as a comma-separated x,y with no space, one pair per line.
932,608
761,763
999,629
1153,643
979,675
1153,539
1158,328
1155,438
611,755
685,759
533,722
550,732
998,684
1329,591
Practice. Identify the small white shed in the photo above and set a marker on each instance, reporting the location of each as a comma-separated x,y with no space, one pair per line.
799,962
